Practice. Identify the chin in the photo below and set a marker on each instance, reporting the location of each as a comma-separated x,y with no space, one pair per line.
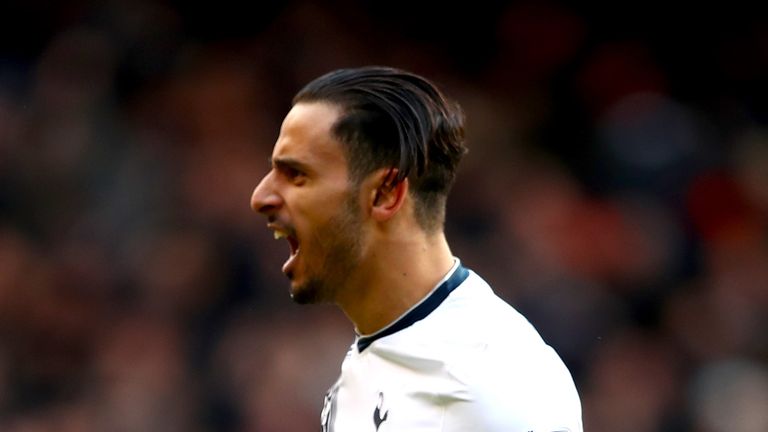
310,292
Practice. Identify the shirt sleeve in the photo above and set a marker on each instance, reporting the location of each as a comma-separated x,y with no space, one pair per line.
510,395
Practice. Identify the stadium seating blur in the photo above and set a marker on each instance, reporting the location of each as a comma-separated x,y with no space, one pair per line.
616,193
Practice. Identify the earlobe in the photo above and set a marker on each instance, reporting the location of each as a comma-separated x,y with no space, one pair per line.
389,195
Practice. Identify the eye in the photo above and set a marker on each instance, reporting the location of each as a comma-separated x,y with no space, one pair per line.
294,175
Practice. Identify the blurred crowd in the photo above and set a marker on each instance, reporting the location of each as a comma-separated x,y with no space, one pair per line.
616,193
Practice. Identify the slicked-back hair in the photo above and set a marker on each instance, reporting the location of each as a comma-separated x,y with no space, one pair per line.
394,119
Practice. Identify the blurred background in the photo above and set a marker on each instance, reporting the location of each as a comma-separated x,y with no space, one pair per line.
616,192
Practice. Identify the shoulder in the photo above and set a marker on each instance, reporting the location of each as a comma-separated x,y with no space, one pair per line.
509,375
475,334
481,360
474,313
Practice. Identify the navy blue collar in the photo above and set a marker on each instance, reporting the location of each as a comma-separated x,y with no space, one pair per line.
421,311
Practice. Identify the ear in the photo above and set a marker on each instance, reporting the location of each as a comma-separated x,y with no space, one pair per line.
387,195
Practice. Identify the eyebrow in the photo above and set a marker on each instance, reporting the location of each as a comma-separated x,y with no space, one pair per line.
287,162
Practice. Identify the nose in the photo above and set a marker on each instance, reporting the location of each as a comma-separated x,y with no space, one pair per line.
265,199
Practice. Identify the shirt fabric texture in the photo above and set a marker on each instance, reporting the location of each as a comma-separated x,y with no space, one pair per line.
462,359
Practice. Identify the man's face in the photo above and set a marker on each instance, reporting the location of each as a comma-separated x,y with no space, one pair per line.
308,200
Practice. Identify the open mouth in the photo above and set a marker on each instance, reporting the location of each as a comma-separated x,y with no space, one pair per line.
293,244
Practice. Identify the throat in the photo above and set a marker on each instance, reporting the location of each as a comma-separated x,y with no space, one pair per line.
383,302
393,278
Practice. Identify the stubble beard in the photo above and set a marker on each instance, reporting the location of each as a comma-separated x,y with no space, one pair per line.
339,241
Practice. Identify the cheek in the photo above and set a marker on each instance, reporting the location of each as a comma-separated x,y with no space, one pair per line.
317,205
311,216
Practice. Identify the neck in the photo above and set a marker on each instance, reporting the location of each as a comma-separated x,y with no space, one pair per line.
398,274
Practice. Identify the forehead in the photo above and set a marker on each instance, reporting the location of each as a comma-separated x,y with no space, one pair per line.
306,134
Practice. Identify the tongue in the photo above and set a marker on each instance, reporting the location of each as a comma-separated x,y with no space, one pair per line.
290,263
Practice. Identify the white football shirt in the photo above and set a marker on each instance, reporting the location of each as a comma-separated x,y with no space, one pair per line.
460,360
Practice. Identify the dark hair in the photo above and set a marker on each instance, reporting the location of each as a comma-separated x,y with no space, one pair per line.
395,119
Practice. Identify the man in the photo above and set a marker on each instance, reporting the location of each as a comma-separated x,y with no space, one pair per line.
360,175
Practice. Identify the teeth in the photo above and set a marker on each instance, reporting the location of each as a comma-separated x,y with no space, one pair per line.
280,234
